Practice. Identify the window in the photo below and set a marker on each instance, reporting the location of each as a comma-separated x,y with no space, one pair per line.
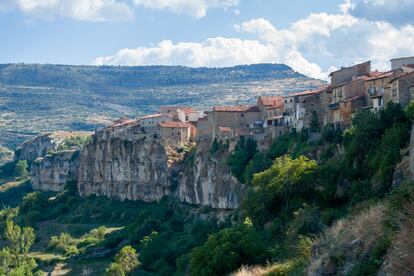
242,115
186,118
241,124
285,101
291,100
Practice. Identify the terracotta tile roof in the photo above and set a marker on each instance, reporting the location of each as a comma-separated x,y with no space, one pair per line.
402,75
237,108
271,100
124,121
155,116
174,125
309,92
224,129
379,75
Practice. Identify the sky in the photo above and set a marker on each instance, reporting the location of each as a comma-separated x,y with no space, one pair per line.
314,37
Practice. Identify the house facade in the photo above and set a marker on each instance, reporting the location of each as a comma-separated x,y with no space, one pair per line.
187,115
400,89
150,123
175,132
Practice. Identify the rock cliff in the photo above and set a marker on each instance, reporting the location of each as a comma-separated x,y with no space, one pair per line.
207,181
125,164
40,145
51,172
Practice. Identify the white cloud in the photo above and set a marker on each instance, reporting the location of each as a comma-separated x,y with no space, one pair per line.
313,46
399,12
85,10
213,52
195,8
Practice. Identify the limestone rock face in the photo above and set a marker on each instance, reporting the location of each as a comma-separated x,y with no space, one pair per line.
209,182
41,144
51,172
124,164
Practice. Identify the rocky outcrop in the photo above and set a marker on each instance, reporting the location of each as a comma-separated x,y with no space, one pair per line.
40,145
207,181
126,164
51,172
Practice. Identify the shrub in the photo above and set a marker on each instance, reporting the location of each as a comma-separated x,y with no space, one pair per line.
227,250
240,158
22,169
125,262
286,182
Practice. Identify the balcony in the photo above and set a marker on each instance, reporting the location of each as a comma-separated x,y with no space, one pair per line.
334,106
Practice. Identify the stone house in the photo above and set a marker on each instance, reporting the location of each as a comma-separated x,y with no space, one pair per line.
205,126
242,116
299,108
149,124
224,134
346,95
270,107
187,115
175,132
346,74
397,63
171,109
374,87
400,89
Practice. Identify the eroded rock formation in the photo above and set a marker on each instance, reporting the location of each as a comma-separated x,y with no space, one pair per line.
51,172
125,164
208,181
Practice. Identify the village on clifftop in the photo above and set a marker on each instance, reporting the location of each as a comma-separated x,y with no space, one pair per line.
350,90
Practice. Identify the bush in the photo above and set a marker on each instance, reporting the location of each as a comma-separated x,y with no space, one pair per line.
125,262
240,158
226,251
285,183
22,169
306,221
64,243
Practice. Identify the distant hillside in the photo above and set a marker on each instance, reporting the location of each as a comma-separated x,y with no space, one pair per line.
36,98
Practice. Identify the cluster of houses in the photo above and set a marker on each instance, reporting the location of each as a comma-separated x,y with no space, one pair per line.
350,89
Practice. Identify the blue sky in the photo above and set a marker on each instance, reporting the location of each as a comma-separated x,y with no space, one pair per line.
312,36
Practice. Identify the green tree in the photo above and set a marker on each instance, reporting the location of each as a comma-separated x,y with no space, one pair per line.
22,169
259,163
227,250
240,158
125,262
287,180
14,258
115,270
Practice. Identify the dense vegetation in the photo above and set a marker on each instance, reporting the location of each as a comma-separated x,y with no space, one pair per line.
308,186
297,190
